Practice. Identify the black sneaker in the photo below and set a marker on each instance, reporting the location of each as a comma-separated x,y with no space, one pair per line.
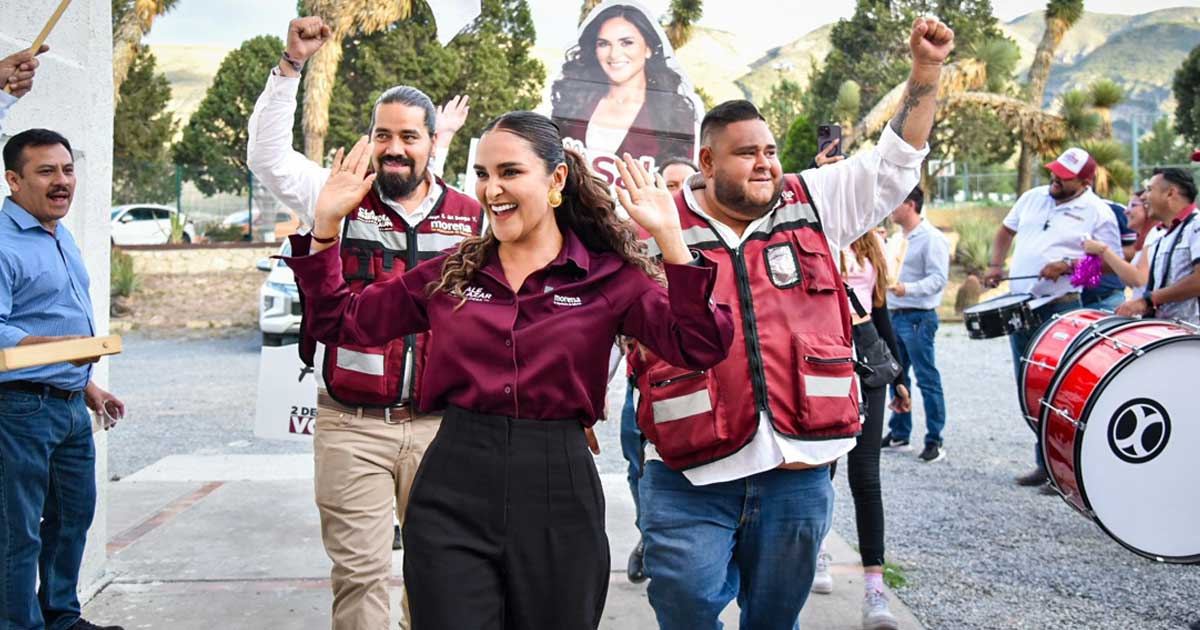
1035,477
636,569
84,624
397,543
891,442
931,453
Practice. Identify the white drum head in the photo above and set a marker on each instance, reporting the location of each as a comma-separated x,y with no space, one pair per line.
1140,455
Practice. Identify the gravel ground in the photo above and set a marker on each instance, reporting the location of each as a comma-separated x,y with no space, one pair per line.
978,551
981,552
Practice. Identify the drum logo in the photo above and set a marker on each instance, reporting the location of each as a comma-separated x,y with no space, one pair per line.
1139,431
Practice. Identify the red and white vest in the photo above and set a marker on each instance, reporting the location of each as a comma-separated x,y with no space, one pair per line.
791,355
378,244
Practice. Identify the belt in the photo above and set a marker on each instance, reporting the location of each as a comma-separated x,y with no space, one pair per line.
903,311
1064,299
41,389
394,414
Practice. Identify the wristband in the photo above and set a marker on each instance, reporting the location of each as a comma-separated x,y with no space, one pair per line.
1148,296
323,241
296,65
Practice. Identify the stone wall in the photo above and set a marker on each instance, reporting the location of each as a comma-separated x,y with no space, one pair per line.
198,258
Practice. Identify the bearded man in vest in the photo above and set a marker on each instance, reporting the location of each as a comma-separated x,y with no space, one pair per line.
369,436
735,494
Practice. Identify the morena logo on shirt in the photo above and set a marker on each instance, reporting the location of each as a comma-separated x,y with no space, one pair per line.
566,300
453,228
477,294
369,216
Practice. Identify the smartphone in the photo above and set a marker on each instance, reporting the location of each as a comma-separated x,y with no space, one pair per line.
826,134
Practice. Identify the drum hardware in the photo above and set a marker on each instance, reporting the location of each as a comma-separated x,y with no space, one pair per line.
1079,426
1180,322
1119,345
1044,366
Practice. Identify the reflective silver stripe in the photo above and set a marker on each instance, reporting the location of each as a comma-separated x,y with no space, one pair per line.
681,407
828,386
691,237
395,241
360,362
787,214
437,242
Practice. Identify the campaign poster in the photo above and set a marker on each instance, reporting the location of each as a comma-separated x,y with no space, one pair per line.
621,90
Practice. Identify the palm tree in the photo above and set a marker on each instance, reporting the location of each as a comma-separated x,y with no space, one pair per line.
1061,15
133,19
345,18
1105,94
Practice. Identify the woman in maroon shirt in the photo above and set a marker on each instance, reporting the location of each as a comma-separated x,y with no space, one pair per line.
505,527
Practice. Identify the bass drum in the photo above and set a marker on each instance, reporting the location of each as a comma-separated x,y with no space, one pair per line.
1051,346
1120,433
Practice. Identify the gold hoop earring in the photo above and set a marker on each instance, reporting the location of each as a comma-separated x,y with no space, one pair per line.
555,197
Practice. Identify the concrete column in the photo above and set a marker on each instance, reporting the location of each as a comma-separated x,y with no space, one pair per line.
72,95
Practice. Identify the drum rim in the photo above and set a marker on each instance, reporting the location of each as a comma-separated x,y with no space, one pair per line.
968,311
1077,446
1071,349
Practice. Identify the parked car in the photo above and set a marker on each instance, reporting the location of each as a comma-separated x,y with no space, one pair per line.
278,301
280,222
147,224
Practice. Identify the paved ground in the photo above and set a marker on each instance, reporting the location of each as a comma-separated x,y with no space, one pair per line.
977,551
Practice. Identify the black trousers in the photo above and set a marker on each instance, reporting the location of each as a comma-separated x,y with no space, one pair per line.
505,528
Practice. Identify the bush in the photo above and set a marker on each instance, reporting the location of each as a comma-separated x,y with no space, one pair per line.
225,233
975,234
124,280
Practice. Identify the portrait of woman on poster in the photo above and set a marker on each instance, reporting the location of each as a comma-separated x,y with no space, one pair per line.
621,91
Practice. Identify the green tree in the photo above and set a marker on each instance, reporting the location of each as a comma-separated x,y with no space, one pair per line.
1186,86
212,151
1163,146
974,134
782,106
490,62
799,146
142,131
871,48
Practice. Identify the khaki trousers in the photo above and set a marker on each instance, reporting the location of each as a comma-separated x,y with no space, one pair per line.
364,465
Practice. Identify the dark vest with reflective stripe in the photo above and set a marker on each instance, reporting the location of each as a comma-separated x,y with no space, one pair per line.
791,344
378,244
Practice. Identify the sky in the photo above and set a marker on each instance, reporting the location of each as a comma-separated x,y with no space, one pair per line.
227,23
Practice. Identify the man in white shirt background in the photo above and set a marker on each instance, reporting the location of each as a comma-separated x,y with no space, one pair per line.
1050,224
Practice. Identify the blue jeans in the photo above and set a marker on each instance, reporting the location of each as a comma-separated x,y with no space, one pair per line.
1109,302
915,333
755,538
631,445
48,488
1017,343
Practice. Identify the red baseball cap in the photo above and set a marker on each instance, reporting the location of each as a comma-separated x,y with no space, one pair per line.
1074,163
1196,156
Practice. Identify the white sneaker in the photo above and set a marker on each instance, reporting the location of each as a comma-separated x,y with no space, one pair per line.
823,580
876,615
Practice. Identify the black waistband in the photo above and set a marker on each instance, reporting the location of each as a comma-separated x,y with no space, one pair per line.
549,424
41,389
902,311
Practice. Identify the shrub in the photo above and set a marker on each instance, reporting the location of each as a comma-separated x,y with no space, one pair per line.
975,234
124,280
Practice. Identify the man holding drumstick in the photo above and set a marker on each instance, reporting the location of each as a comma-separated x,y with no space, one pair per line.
16,77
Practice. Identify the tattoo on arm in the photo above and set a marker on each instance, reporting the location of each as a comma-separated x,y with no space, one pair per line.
912,97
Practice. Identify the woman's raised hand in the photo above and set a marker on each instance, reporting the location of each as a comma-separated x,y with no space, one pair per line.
646,198
348,183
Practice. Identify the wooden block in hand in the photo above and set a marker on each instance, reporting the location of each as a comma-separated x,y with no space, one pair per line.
58,352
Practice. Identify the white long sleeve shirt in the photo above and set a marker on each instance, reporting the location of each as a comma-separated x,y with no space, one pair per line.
293,178
6,101
851,196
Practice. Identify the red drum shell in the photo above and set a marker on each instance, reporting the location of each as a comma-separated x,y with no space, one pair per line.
1050,347
1078,382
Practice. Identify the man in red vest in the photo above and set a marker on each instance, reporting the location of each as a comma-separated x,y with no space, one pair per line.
735,495
369,438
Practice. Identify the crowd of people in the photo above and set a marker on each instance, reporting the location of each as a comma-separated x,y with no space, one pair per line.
442,408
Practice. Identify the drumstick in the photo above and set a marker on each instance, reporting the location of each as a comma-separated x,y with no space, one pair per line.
41,38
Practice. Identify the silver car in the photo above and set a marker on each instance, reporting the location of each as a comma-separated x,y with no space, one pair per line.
278,301
147,224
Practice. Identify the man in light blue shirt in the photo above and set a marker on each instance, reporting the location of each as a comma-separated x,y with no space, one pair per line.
912,303
47,477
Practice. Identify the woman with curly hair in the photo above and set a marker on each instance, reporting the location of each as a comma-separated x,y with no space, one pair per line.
617,94
505,527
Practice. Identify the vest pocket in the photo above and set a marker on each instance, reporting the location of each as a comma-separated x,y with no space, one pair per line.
677,414
816,263
825,387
